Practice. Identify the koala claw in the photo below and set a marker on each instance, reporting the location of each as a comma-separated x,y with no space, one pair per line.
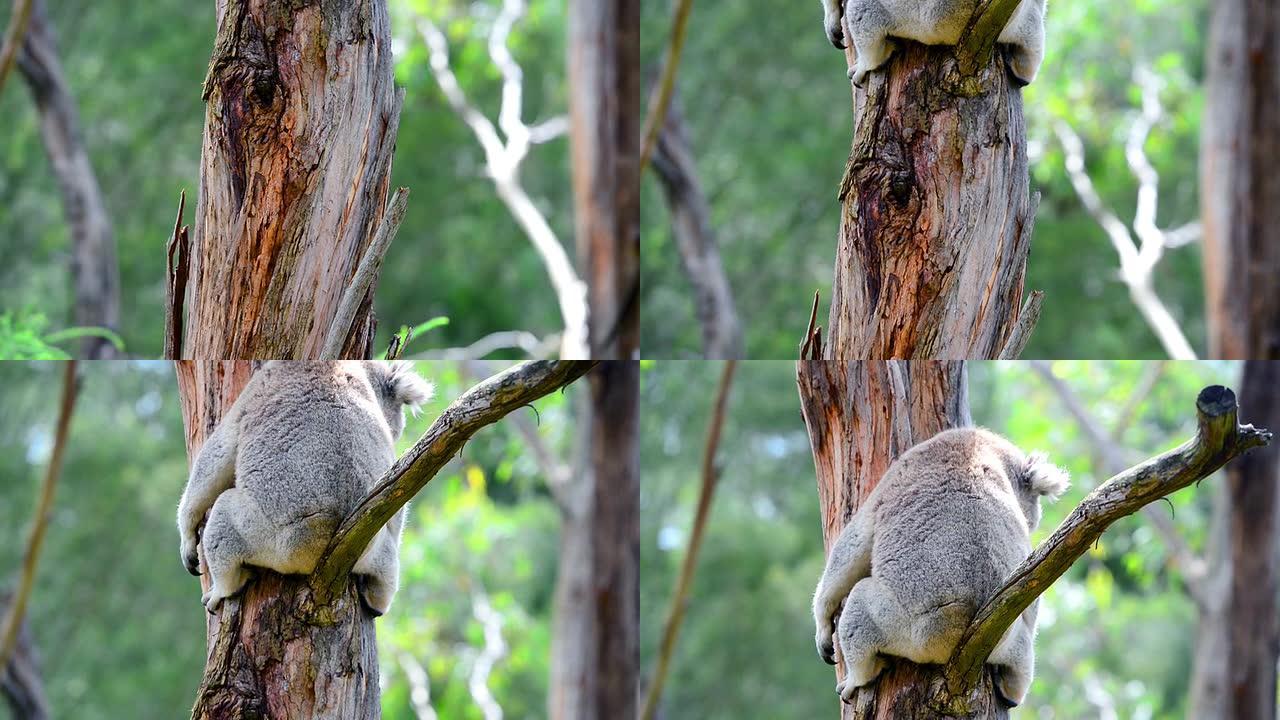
192,564
858,76
827,651
210,601
845,689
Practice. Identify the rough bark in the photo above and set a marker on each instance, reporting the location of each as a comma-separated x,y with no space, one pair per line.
94,273
696,242
273,652
20,681
1253,485
861,416
614,668
604,138
300,129
935,212
1240,190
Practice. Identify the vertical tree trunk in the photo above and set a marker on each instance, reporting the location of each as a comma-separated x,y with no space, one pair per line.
93,248
699,253
299,133
273,653
604,137
861,416
936,217
1253,483
1240,190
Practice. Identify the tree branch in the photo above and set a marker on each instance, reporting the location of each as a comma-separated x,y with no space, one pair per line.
522,340
503,161
1219,438
494,650
419,686
660,98
679,597
362,281
40,520
482,405
978,41
18,19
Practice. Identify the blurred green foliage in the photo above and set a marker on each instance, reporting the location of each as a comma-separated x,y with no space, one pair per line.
770,122
1118,626
117,620
136,72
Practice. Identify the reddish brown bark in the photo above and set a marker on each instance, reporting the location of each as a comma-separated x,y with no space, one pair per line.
936,216
299,133
604,114
861,416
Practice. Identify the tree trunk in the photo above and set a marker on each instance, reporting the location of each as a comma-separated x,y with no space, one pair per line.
691,227
615,540
93,248
299,133
1253,483
935,213
861,416
273,653
1240,190
604,137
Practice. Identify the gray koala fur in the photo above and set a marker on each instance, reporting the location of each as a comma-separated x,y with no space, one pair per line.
293,456
870,23
937,537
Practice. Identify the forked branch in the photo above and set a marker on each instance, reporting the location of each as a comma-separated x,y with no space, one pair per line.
482,405
1219,438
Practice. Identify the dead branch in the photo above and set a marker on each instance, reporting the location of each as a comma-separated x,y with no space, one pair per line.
495,648
482,405
979,39
1219,438
39,520
679,597
531,345
362,281
1138,259
504,158
177,268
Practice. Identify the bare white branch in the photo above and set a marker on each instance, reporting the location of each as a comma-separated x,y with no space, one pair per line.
494,650
419,687
503,160
1137,262
524,341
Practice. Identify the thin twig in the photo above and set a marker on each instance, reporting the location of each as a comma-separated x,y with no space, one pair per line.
13,38
40,520
356,292
1219,439
675,615
660,99
482,405
1022,328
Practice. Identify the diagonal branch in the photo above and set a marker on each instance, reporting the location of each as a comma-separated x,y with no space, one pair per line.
482,405
1219,438
978,41
503,161
18,19
40,520
664,89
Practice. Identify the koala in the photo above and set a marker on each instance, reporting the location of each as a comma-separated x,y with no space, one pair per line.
295,454
937,537
870,23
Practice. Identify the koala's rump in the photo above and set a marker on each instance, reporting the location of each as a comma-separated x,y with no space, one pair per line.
946,543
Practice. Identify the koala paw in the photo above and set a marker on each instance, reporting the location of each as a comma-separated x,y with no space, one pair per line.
826,649
858,75
1011,687
190,560
211,600
375,596
833,22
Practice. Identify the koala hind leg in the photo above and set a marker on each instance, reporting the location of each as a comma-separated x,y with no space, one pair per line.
379,567
870,609
226,550
868,26
1014,658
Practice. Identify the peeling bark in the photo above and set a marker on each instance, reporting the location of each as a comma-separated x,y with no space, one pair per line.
300,129
936,216
94,273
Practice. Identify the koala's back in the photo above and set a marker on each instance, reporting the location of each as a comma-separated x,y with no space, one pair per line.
934,22
311,440
948,528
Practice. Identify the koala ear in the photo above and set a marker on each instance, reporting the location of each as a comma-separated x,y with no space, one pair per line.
407,387
1044,477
